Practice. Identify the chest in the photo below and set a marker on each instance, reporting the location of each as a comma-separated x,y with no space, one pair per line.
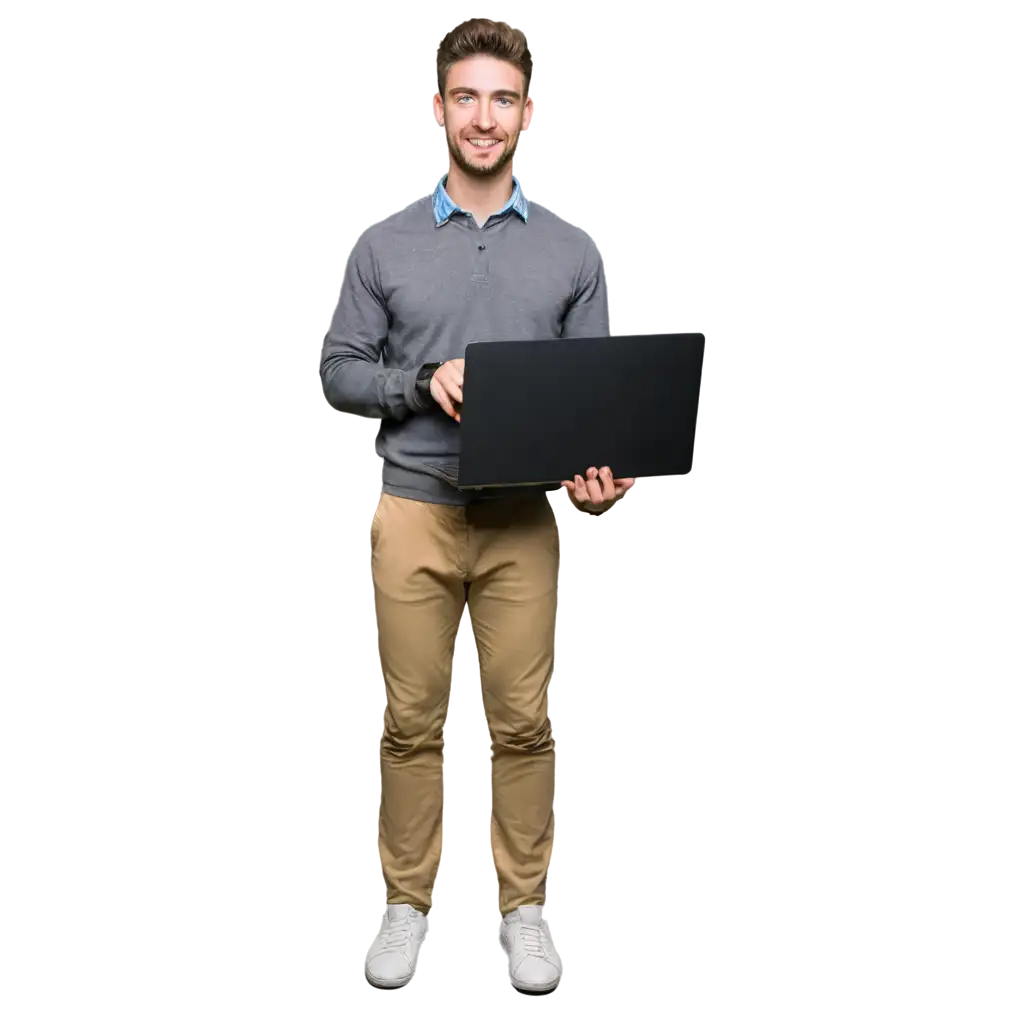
465,273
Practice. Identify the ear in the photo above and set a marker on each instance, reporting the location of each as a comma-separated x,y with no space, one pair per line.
527,114
438,109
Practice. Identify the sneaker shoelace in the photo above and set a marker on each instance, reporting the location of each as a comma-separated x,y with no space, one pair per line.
396,935
533,940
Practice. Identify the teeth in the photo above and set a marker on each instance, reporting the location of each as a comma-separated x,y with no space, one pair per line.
483,144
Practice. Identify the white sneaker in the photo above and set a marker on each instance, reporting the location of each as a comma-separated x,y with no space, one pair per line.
391,961
534,966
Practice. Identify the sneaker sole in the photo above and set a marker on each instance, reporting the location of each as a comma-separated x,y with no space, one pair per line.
523,993
386,986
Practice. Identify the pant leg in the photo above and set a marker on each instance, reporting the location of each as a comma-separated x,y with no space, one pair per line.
512,599
419,592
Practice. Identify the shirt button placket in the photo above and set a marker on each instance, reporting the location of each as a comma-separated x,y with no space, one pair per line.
481,270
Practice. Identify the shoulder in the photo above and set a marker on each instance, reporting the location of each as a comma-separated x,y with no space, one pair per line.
415,219
558,230
565,241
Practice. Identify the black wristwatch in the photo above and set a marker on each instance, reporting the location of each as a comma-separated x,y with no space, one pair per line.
423,377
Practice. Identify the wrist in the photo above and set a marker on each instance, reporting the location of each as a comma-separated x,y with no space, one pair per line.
424,376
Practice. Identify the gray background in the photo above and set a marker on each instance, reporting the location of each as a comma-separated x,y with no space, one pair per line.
187,694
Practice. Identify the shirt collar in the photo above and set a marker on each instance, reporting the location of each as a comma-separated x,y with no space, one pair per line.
444,205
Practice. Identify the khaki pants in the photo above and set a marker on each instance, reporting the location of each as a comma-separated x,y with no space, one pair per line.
429,560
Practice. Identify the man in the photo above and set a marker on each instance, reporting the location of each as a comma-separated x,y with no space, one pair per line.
472,262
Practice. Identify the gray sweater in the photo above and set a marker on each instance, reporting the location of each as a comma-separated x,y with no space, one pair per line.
417,291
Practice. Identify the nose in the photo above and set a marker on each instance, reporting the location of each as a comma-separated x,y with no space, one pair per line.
483,121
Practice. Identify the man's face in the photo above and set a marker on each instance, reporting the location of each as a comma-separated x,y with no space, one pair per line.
484,102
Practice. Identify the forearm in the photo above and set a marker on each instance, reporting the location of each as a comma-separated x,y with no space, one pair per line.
353,384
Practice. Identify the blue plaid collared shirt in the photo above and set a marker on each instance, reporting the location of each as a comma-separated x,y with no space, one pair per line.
444,206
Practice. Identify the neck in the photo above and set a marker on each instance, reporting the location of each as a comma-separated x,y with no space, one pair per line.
481,196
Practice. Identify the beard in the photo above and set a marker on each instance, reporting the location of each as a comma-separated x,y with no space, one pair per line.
483,170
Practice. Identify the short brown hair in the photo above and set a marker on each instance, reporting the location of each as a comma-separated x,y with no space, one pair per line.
482,36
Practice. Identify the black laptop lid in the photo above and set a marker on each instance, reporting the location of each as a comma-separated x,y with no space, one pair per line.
542,411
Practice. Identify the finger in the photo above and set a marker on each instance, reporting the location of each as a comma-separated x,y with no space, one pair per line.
607,484
458,369
581,489
594,486
446,405
625,483
441,397
451,382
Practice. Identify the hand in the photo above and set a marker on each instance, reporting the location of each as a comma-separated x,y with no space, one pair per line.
446,387
598,491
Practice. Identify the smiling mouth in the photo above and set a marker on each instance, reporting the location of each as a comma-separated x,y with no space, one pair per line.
484,143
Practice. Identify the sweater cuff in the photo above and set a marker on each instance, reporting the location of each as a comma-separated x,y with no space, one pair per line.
418,398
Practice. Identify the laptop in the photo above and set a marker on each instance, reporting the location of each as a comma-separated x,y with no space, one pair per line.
539,412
